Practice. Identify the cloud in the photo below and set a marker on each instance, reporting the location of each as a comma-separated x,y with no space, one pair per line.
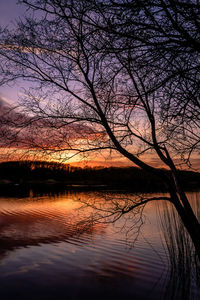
4,103
22,131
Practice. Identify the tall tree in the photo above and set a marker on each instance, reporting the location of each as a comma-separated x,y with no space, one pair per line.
108,75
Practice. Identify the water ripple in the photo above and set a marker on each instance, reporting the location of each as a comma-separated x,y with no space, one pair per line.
49,233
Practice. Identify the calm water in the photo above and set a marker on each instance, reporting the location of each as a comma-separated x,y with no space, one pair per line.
52,247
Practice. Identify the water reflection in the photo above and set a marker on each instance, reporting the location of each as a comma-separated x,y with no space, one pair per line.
184,277
46,219
79,243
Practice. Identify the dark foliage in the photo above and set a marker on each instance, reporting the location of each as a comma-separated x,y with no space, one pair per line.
51,173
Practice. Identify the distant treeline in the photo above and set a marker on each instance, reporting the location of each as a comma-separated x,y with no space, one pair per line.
40,172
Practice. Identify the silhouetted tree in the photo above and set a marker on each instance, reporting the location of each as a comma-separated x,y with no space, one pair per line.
166,37
117,75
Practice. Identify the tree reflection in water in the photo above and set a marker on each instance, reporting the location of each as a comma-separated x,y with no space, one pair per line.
184,265
73,216
183,279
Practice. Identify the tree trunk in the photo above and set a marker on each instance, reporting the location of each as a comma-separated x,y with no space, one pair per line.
191,223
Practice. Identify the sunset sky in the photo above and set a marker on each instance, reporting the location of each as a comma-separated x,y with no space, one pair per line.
9,12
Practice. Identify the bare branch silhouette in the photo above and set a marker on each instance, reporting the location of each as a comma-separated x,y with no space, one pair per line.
111,75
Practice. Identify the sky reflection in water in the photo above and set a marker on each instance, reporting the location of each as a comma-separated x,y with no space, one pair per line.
47,252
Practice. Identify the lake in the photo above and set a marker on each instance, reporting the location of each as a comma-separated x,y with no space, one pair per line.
75,244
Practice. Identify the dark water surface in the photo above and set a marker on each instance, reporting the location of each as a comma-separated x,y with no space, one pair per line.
50,248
